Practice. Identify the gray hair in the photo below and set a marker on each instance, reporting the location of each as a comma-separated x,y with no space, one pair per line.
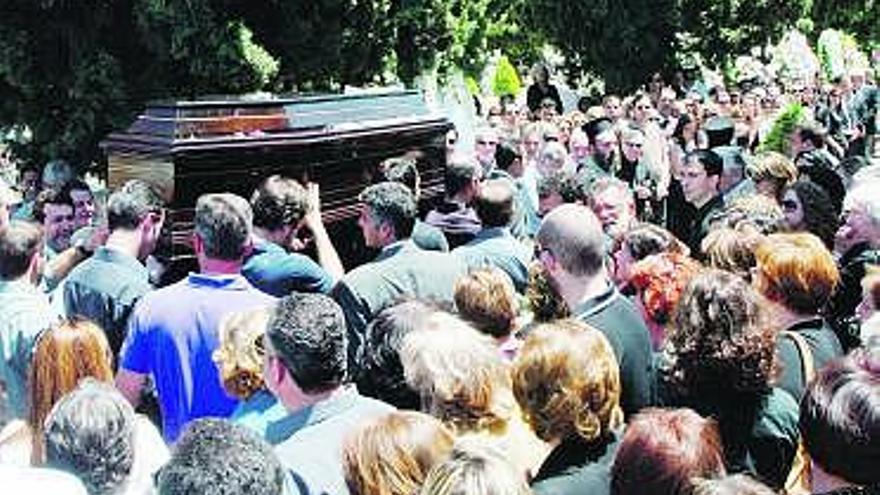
90,433
224,223
57,173
864,194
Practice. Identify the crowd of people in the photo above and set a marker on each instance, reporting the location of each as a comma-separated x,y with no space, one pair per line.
632,297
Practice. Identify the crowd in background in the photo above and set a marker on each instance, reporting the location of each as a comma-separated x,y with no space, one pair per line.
631,297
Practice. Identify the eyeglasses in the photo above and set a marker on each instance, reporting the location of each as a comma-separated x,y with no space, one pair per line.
633,144
789,204
548,104
483,142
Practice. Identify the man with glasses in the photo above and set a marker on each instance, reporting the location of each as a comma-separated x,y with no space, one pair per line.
105,287
700,178
305,367
486,142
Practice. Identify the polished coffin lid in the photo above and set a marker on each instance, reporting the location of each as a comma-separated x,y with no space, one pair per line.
188,148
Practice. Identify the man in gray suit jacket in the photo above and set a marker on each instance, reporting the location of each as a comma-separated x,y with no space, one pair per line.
494,245
402,269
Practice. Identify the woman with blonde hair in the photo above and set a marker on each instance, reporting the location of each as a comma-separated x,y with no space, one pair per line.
567,382
475,469
64,355
239,359
463,381
393,454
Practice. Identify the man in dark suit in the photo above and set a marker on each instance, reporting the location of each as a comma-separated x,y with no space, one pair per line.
402,269
571,249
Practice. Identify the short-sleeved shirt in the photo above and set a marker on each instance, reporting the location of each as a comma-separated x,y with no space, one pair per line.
24,313
309,441
105,288
274,271
172,336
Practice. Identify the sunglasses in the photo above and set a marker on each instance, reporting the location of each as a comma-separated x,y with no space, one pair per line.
789,205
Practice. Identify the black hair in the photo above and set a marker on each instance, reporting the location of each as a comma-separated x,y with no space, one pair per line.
217,457
394,204
308,332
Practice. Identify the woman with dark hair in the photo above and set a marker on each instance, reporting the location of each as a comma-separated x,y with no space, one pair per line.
663,450
808,208
840,425
685,133
721,363
641,241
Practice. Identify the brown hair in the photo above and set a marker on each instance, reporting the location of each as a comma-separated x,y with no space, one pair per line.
663,450
63,355
393,454
566,381
732,249
486,298
796,270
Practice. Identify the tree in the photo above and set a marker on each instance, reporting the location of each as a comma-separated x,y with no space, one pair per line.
859,17
73,71
624,41
722,29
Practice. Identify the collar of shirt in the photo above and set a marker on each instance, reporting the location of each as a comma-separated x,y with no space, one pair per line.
394,248
598,303
115,256
221,282
314,414
493,232
17,287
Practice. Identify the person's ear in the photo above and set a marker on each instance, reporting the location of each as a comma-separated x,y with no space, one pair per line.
387,231
197,243
248,247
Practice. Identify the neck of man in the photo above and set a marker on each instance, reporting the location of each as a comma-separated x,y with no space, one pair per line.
300,401
278,236
577,290
701,202
126,241
463,198
213,266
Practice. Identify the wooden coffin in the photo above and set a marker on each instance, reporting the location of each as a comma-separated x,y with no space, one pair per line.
189,148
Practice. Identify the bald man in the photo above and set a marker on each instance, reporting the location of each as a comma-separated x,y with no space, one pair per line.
571,249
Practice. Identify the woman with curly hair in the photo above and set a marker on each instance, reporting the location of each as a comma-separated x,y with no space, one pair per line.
721,363
659,281
566,380
808,208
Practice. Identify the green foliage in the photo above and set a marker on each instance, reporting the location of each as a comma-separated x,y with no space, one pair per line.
722,29
506,80
859,17
624,41
778,137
